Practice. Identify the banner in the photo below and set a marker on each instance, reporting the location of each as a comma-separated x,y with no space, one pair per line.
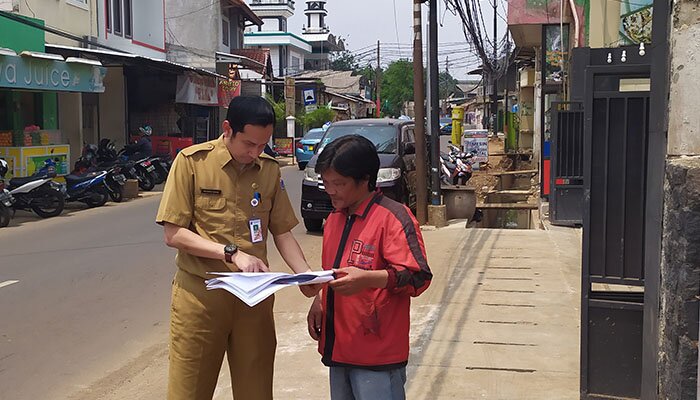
228,89
556,53
195,89
477,141
284,146
635,21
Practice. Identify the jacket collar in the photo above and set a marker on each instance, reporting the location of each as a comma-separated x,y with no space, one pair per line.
223,156
366,205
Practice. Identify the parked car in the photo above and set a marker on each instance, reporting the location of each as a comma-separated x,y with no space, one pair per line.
395,142
445,126
305,147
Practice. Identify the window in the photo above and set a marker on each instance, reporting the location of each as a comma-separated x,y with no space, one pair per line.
225,31
108,15
117,12
128,24
79,3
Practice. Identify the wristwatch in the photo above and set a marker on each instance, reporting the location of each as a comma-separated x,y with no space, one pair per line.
229,251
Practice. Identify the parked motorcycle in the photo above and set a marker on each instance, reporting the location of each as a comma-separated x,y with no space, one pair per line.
38,193
6,199
114,180
104,157
455,166
162,168
89,188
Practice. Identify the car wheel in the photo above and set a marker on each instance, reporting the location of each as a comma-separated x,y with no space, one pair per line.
302,166
313,225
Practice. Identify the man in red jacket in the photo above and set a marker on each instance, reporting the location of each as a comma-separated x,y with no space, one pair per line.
361,319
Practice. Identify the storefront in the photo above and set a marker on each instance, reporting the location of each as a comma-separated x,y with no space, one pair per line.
31,125
179,103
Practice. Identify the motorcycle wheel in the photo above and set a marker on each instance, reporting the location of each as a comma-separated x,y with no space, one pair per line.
146,180
100,200
116,194
159,176
50,203
5,216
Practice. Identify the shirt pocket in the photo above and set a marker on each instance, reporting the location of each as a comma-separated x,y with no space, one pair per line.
210,211
210,203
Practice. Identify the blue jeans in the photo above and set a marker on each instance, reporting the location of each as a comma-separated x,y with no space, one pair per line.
364,384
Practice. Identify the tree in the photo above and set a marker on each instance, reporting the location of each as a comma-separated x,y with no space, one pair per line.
280,112
397,86
448,84
343,61
316,118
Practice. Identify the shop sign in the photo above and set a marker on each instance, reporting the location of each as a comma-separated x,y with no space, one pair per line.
228,90
284,146
477,141
196,89
38,74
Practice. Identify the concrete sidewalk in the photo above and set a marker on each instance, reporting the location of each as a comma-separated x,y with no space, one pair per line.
504,318
499,322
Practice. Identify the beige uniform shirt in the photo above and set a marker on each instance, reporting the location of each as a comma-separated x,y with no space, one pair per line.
209,193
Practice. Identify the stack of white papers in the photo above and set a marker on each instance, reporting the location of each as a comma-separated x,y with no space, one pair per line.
254,287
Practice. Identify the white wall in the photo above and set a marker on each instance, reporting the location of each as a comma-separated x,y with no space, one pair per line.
148,28
684,121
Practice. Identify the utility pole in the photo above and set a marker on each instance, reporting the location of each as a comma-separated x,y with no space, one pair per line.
419,110
434,100
494,75
379,84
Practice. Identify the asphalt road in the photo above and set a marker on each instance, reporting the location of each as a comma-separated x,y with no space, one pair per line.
84,293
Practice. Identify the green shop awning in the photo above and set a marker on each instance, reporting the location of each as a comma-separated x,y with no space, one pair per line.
50,72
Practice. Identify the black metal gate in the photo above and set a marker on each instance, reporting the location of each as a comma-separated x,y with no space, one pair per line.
615,186
566,199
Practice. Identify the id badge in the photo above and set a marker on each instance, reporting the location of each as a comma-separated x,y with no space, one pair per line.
255,225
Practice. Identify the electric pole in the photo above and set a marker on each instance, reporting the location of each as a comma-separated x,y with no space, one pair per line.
419,111
494,67
379,84
433,78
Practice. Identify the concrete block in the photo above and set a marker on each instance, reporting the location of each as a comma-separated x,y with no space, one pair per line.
460,202
437,216
131,189
680,280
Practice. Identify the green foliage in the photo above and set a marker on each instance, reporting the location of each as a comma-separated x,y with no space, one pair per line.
280,112
343,61
397,86
316,118
448,84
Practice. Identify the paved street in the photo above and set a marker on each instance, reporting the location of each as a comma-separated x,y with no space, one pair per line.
88,317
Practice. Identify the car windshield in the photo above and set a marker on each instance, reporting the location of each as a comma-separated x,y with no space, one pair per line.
384,137
314,134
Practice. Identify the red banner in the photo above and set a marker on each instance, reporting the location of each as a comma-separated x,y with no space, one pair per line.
228,89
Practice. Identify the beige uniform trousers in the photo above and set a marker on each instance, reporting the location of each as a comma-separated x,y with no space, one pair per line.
206,323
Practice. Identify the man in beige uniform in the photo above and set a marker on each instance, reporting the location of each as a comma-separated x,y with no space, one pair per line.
221,199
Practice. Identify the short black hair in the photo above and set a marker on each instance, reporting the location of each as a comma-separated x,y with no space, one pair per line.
249,110
351,156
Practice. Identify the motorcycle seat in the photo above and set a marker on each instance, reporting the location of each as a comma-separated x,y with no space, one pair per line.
72,180
17,182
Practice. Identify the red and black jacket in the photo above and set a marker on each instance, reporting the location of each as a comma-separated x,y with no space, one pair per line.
370,329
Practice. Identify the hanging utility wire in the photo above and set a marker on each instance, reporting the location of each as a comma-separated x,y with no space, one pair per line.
474,28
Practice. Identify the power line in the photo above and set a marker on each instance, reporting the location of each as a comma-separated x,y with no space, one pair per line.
195,11
396,24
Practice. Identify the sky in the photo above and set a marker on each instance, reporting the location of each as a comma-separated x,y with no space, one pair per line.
363,22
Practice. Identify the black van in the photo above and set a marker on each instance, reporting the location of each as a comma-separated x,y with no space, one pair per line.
395,142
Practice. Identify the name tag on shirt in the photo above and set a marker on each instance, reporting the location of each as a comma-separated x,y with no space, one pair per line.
255,225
